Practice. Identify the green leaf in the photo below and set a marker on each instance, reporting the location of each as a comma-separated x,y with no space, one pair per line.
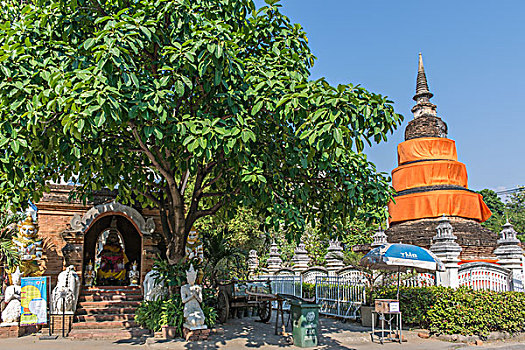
15,145
135,80
89,43
257,107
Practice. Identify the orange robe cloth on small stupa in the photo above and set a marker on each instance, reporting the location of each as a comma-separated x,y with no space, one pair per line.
429,167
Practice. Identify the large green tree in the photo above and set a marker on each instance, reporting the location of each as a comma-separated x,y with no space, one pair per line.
513,210
184,105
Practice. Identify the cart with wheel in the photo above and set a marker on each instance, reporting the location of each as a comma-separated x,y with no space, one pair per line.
234,295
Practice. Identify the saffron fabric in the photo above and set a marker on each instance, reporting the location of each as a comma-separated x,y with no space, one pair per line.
426,148
433,204
438,172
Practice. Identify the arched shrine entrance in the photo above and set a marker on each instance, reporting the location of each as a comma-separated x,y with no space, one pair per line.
111,234
112,244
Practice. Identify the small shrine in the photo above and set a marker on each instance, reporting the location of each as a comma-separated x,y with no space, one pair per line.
334,256
274,262
81,250
300,259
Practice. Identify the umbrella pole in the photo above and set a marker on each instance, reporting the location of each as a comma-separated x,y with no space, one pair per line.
398,277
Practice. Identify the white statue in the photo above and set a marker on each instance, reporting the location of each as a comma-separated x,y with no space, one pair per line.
134,275
11,313
191,295
153,286
65,294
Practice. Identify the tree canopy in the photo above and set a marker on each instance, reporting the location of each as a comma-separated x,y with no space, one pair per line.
513,210
184,105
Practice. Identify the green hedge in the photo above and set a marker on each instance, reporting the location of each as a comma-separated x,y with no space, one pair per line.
460,311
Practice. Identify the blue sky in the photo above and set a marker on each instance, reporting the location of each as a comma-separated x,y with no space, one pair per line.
474,55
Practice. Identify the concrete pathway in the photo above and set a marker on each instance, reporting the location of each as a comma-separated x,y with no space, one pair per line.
245,333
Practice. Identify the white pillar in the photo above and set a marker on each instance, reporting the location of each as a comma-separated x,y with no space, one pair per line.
447,250
510,254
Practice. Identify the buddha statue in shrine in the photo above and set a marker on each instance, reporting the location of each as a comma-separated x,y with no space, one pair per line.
113,260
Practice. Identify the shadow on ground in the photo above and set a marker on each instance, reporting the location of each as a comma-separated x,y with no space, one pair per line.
247,333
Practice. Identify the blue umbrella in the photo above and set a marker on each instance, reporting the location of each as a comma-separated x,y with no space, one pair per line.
398,257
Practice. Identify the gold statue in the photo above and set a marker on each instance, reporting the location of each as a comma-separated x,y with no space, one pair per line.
194,248
89,278
195,252
29,246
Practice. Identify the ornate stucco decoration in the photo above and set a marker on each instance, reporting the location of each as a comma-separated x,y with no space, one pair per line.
81,224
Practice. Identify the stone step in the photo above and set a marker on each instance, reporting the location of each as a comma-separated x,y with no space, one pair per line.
106,311
107,333
104,317
104,325
111,292
112,288
109,297
108,304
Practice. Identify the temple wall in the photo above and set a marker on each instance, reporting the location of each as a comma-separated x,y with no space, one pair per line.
51,225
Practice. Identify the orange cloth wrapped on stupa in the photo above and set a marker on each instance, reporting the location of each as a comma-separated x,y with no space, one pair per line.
430,182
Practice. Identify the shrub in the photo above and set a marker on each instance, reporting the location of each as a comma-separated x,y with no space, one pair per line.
308,290
169,312
460,311
149,314
414,302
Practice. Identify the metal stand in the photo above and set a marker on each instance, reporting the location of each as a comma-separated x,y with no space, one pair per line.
63,313
49,324
388,318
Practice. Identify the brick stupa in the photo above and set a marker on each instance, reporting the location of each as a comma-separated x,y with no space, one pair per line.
430,183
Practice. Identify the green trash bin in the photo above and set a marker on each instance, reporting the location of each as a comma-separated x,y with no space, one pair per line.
305,322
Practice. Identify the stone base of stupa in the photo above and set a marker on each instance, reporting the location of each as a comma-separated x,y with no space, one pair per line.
477,242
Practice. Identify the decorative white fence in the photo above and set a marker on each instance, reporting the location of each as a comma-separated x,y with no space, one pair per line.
486,276
420,280
291,285
339,296
311,273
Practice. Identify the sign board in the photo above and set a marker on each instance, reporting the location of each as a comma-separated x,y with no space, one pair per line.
34,300
387,306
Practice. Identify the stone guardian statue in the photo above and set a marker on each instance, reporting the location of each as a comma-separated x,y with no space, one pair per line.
153,287
191,295
11,313
65,294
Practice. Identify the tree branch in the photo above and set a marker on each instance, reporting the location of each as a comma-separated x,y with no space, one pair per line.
150,154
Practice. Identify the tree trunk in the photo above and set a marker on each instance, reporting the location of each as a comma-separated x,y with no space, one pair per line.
176,247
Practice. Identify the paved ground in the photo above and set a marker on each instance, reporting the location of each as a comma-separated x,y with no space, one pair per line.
247,334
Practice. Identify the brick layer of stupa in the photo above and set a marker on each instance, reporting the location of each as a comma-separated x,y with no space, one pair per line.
477,242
